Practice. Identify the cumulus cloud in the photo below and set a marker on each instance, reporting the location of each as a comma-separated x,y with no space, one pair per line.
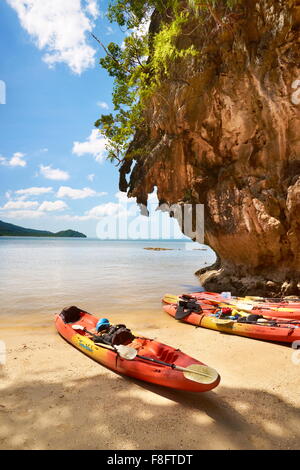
16,160
34,191
12,205
20,209
60,28
52,206
66,191
74,218
109,209
103,105
24,214
122,197
103,210
92,8
109,30
94,145
54,173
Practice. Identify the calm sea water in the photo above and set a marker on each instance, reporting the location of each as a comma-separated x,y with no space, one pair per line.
43,275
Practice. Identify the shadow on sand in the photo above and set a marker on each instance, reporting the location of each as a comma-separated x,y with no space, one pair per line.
112,412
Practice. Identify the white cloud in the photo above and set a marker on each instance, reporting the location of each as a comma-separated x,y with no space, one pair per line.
91,177
66,191
122,197
94,145
34,191
143,27
53,173
92,8
103,210
21,209
49,206
19,205
103,105
24,214
109,30
74,218
110,209
16,160
60,29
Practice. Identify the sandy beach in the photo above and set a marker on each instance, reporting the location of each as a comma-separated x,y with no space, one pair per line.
54,397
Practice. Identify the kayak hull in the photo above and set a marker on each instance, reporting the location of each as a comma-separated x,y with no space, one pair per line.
283,333
137,368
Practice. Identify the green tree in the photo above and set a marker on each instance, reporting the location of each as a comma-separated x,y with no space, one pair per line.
144,60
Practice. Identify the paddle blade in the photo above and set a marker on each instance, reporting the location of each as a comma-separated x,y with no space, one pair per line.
225,322
78,327
201,374
126,352
245,307
181,313
171,299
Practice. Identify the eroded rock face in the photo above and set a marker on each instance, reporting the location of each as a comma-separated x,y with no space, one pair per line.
224,130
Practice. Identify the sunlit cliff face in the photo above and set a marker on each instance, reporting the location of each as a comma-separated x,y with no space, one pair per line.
224,130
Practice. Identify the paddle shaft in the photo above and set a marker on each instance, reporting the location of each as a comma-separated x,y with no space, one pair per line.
173,366
145,358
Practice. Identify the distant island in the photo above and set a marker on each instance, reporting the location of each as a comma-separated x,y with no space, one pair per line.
10,230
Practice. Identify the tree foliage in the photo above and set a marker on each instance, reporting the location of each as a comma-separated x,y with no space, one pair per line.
142,61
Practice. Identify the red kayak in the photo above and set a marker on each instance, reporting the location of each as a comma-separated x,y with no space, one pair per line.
153,362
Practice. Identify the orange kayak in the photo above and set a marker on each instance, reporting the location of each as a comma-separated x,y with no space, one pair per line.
285,331
155,362
280,310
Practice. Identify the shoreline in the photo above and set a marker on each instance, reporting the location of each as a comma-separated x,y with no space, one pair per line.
54,397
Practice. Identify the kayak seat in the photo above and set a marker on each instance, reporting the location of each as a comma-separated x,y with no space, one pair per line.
167,355
71,314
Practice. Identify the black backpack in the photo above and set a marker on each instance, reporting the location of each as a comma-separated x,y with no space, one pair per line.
250,318
71,314
116,335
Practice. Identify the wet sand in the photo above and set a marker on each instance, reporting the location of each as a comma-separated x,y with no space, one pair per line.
54,397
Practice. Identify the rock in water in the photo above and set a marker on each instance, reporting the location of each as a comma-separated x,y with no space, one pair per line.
224,130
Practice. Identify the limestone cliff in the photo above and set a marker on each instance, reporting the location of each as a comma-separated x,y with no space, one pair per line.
224,130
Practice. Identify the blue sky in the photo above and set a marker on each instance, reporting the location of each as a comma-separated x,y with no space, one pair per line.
53,170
